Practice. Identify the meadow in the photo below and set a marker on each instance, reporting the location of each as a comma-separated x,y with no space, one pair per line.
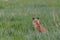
16,19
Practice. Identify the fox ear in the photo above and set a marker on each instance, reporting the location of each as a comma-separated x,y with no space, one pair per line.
33,18
38,18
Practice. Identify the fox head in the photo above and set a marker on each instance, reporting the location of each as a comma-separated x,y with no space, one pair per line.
35,21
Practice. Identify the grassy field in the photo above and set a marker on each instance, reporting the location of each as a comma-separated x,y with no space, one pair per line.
16,19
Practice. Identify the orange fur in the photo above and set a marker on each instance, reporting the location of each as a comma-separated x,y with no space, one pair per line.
38,26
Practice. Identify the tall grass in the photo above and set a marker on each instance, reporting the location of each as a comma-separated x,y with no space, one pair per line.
16,20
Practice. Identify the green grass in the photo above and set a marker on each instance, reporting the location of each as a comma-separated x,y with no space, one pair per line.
16,19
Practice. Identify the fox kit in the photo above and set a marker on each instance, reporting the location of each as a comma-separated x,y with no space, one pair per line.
37,25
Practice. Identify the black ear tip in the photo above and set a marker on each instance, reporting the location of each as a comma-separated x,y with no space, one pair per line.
37,18
33,18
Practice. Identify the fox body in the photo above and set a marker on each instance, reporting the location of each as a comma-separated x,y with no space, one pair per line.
38,26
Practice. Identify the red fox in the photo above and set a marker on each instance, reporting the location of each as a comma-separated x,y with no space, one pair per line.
37,25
